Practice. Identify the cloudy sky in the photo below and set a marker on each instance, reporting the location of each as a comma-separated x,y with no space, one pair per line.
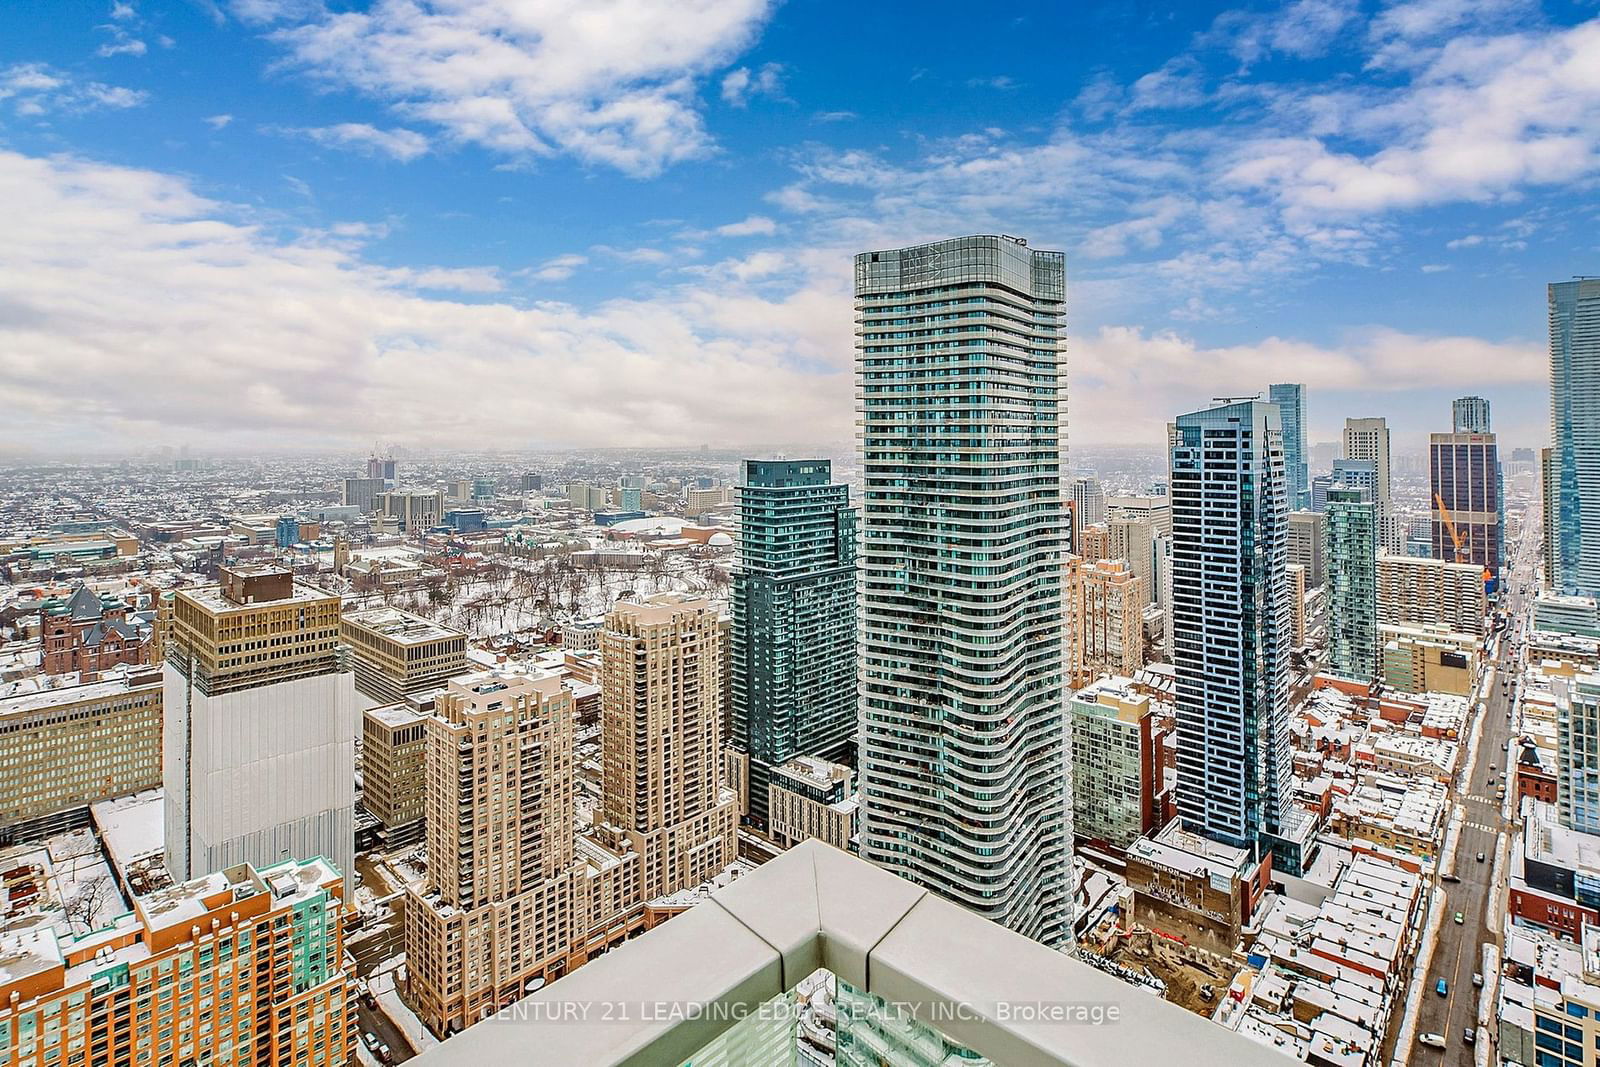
243,224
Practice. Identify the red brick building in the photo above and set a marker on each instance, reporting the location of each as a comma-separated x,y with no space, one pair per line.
87,633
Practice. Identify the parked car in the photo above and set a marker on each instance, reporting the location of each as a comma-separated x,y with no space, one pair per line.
370,1040
1470,1036
1477,980
1451,878
1459,919
1432,1040
1480,857
1442,988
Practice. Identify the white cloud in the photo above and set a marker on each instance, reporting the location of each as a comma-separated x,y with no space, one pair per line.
112,273
34,89
1003,82
1435,268
742,85
607,81
401,144
123,46
121,10
1303,29
560,268
217,122
753,226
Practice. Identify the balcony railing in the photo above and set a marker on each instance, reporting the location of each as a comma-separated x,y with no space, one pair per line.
660,999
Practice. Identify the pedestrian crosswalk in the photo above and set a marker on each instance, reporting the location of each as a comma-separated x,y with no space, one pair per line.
1481,826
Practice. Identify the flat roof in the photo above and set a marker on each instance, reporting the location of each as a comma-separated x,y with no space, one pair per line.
400,626
211,599
40,699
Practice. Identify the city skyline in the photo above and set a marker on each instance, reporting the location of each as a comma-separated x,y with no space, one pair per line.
395,236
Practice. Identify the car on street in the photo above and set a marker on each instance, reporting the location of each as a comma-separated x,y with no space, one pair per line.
1432,1040
1480,857
1470,1036
1451,878
1459,920
1442,988
1477,980
370,1040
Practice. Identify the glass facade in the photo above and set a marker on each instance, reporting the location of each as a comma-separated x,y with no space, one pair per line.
1291,400
1575,434
965,762
1352,587
1464,475
794,633
1231,622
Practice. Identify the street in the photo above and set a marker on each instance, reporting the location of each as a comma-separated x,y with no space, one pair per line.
382,940
1458,954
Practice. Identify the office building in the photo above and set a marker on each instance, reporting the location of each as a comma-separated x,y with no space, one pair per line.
661,698
1578,751
1415,591
964,761
1469,414
382,469
1549,511
1115,765
1307,533
532,482
394,764
1105,625
259,726
499,906
1575,434
62,748
236,968
1352,588
1230,627
809,797
1367,440
396,654
363,493
1088,500
1320,484
1135,527
1468,513
630,499
1291,401
1429,659
793,652
411,510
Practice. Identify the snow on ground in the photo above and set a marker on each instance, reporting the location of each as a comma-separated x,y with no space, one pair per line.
383,991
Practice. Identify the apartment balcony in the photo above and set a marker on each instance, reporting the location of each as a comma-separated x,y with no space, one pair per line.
659,1000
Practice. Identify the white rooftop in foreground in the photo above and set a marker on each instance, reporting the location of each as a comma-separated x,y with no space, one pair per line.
656,1001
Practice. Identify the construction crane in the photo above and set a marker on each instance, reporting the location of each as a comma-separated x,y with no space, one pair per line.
1462,555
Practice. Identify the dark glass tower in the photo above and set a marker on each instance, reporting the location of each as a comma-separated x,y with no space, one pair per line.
794,623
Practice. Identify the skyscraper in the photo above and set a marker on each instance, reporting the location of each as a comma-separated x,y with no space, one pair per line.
1368,439
1469,414
965,765
1352,586
1291,401
1230,625
258,746
661,740
1464,484
1089,500
794,632
1575,434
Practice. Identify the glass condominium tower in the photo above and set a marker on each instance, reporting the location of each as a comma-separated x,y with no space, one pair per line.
1575,435
965,762
794,622
1291,401
1230,623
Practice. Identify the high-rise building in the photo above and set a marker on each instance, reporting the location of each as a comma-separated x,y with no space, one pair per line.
1088,500
1291,401
394,764
1464,479
1352,588
1575,434
1115,767
1297,605
965,766
413,510
1104,628
1469,414
1578,752
1306,535
1136,526
1230,626
1320,484
498,907
1368,439
532,482
661,740
396,654
382,469
794,633
236,968
362,493
1417,591
259,726
1549,512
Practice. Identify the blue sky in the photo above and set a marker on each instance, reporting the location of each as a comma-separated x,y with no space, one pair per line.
516,223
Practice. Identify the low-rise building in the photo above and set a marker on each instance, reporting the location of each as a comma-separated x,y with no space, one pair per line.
1429,659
